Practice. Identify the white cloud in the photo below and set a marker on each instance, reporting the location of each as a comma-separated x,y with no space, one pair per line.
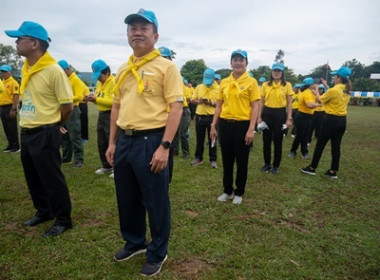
310,33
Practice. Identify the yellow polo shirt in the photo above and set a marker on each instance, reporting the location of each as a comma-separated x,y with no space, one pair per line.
11,87
79,88
276,94
104,92
163,85
186,94
45,91
335,100
306,96
204,92
237,95
295,97
1,87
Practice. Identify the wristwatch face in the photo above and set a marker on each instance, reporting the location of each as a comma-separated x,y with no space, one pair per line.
165,144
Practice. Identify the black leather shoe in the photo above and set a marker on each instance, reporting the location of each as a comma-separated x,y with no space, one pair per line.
35,221
55,230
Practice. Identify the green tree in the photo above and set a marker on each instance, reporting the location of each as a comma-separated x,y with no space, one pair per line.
223,72
8,55
322,71
193,70
372,69
357,68
261,71
365,84
279,56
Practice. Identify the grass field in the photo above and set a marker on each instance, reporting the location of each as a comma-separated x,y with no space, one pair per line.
289,226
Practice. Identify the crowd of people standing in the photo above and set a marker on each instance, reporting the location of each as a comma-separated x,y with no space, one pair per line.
142,112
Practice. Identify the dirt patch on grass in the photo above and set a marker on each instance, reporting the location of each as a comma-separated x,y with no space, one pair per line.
189,269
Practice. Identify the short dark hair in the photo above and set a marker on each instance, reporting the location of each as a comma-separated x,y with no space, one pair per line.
106,70
44,45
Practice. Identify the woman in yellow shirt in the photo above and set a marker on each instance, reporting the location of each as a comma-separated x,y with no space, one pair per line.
103,99
306,105
317,119
275,110
295,96
335,101
236,109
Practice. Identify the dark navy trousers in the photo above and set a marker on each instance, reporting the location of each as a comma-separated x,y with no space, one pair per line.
140,191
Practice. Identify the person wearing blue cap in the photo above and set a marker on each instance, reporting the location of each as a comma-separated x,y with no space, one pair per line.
47,103
275,110
8,109
335,101
204,97
317,119
218,78
262,80
72,140
142,130
236,109
306,105
103,99
295,97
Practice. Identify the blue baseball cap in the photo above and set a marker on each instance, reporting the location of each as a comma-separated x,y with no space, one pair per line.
97,67
262,79
218,76
240,52
322,86
278,66
5,68
165,52
64,64
308,81
29,29
343,71
208,76
298,85
145,14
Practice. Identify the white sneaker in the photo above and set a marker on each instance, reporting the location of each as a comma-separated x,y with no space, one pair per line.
237,199
224,197
103,170
112,175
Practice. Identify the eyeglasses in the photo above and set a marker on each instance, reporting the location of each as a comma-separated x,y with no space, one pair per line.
26,38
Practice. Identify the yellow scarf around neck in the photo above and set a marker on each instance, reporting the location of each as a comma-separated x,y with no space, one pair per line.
235,82
133,67
27,71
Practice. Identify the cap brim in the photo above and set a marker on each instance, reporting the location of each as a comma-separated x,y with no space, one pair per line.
334,72
131,17
278,68
14,33
96,75
208,81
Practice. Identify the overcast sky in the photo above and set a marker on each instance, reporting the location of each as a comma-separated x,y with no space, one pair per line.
311,33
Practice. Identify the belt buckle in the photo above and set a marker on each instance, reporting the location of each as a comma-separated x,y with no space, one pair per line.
128,132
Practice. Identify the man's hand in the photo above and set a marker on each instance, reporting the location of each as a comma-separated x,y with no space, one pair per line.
159,160
110,153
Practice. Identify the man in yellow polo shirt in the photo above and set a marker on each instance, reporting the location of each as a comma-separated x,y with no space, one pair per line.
205,97
47,103
72,140
8,108
142,127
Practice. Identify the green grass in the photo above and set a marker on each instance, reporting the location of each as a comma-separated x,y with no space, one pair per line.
289,226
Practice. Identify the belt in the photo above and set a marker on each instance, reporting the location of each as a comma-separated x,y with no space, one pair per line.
229,120
37,129
133,132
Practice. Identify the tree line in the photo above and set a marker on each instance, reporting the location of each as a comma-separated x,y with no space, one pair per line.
193,70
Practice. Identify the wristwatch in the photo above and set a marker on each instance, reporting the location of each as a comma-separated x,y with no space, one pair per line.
165,144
